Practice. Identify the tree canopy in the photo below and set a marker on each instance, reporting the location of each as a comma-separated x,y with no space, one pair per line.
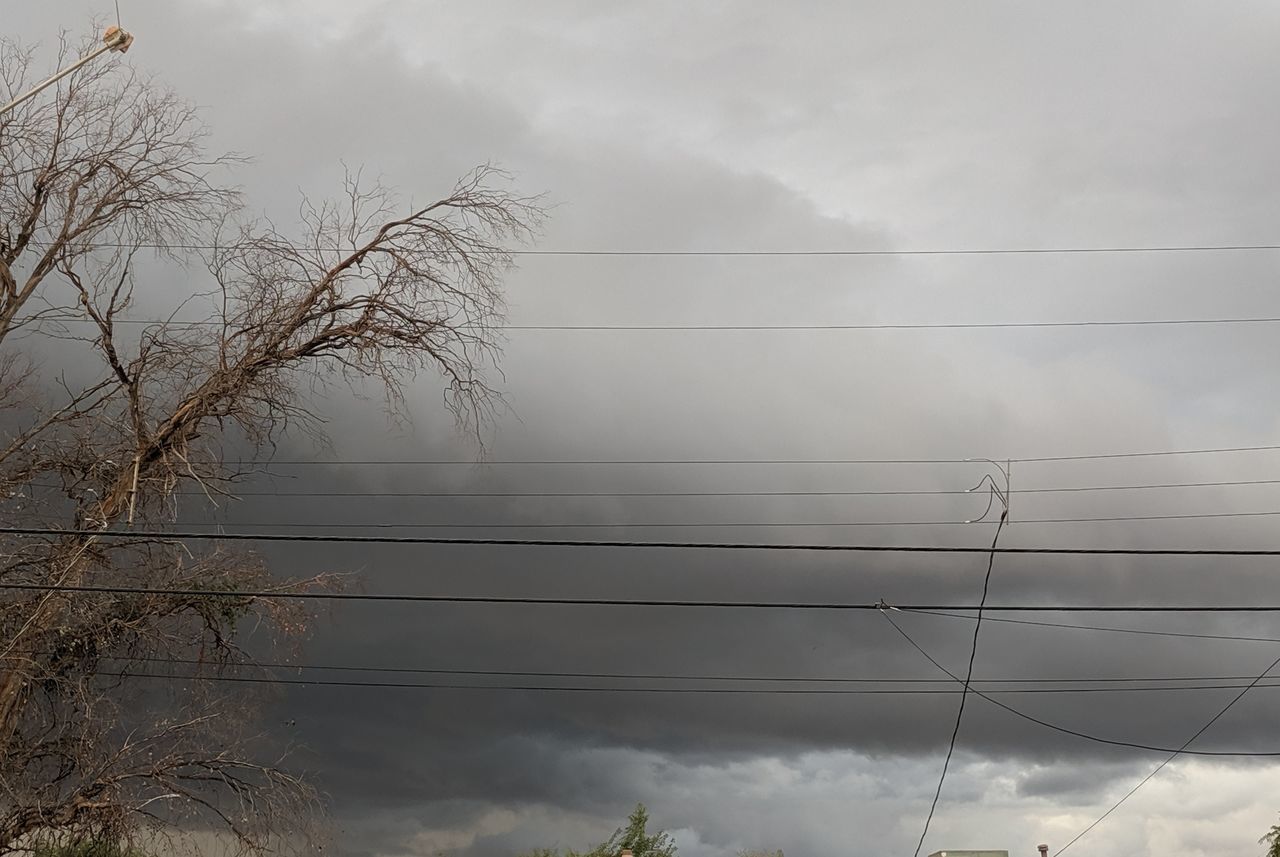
108,417
1272,840
634,836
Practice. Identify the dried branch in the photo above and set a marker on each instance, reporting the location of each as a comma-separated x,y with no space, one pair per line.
368,293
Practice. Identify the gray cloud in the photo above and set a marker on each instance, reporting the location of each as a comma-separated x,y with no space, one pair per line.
712,127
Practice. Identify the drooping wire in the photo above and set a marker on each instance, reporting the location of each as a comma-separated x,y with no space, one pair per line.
1097,739
973,652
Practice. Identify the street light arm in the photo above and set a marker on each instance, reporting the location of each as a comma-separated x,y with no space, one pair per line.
115,39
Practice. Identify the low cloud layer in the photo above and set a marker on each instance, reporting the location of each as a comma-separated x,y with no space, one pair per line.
754,128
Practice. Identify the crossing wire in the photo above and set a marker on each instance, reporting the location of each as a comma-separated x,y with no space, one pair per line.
987,695
968,678
1180,751
1098,739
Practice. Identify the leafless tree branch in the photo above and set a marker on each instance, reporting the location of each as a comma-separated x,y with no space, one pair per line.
368,292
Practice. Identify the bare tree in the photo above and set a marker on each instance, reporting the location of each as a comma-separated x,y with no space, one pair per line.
109,167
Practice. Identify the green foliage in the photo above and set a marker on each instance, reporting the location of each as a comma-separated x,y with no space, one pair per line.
634,836
1272,840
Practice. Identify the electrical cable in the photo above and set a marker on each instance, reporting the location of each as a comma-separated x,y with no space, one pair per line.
968,679
696,691
1097,739
630,602
1141,683
662,525
1173,755
756,328
1198,516
868,326
629,494
672,252
738,462
606,525
144,535
1240,638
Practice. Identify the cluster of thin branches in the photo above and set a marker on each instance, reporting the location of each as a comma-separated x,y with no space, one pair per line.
89,175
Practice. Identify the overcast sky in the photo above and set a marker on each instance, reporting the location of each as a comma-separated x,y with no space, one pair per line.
799,126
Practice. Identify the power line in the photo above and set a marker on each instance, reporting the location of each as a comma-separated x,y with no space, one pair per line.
1097,739
1147,454
1173,755
979,325
1175,517
136,535
633,602
662,525
714,252
978,460
762,691
748,328
611,462
1146,632
668,494
883,610
1216,484
968,678
654,676
587,462
553,494
609,525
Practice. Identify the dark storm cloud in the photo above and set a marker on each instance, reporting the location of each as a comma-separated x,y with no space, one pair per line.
861,129
1060,782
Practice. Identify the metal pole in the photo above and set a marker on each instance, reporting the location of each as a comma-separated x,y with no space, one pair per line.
118,40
